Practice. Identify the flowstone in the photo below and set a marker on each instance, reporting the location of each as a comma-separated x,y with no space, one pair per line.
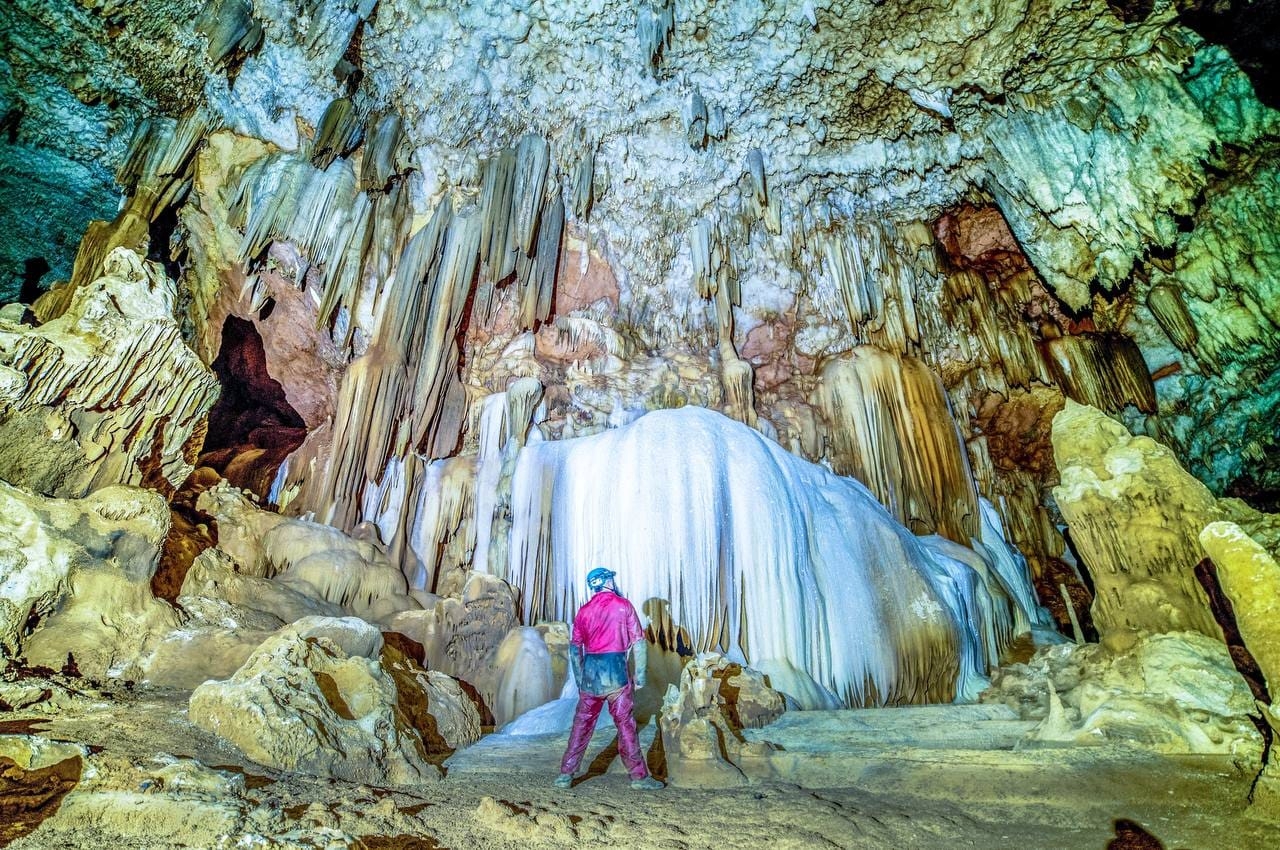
107,393
753,552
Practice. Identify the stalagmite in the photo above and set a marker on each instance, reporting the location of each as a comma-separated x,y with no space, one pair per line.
750,550
1134,516
1250,578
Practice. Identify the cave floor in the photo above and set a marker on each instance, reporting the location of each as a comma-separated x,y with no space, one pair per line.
839,792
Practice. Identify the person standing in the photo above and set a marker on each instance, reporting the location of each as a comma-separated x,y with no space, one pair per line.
605,632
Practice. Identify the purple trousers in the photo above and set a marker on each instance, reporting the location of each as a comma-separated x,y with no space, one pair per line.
621,703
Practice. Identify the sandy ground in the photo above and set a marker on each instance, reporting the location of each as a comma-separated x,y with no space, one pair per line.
130,797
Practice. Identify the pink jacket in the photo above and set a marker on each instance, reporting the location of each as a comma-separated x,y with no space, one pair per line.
607,623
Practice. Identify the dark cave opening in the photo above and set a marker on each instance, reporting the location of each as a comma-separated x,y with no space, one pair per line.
252,428
1250,30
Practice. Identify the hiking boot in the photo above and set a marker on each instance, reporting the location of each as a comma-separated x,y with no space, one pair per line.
564,780
646,783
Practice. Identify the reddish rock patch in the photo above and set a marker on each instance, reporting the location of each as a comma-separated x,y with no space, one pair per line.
1018,428
978,238
29,797
577,289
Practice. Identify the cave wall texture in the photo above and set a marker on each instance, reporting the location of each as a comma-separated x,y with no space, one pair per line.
833,221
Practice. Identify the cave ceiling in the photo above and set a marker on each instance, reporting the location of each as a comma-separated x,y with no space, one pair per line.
1121,147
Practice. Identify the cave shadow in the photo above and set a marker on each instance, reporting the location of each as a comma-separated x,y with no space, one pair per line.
1130,835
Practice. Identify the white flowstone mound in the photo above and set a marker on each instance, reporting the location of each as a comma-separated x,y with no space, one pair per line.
82,568
314,698
771,559
107,393
1171,693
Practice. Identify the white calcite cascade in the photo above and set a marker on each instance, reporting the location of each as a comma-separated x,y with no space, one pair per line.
718,532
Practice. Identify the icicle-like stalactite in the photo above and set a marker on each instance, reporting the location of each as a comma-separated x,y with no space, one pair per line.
753,551
655,22
1011,570
384,153
889,425
1105,371
505,422
715,278
493,436
339,133
400,397
427,517
523,217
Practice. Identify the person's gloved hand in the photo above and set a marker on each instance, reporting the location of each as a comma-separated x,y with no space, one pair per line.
576,662
640,654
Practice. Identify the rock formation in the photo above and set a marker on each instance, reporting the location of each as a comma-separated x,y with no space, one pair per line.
314,698
1135,517
76,577
1173,693
702,722
107,393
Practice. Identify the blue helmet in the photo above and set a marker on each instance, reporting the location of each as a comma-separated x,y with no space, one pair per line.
597,578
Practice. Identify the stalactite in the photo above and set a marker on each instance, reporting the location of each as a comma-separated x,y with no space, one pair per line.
889,425
880,271
340,132
696,121
344,231
584,184
522,224
537,272
231,28
1105,371
496,195
755,170
715,278
1170,311
384,152
403,395
533,156
155,173
655,22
